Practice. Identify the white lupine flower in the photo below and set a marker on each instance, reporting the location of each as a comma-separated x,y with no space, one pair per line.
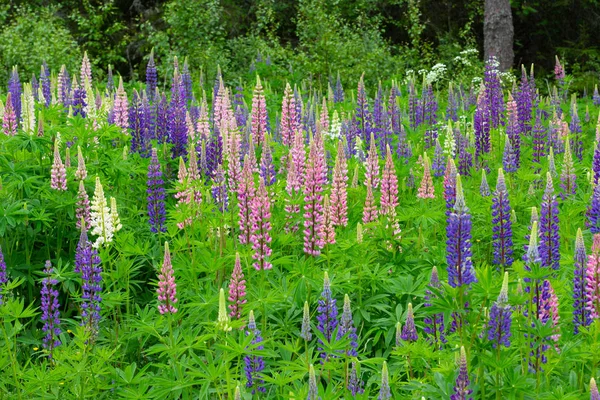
450,142
335,127
223,318
28,113
114,215
101,223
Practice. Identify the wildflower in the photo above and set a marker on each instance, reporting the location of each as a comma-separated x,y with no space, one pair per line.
50,311
223,318
101,222
500,318
88,263
9,118
3,276
114,215
254,365
592,280
509,161
409,331
237,289
81,172
313,390
339,185
484,188
581,315
121,108
313,207
289,121
461,389
328,233
167,289
594,395
372,166
260,218
434,325
502,229
305,332
549,235
354,383
156,195
219,190
568,177
82,210
151,76
593,212
384,390
346,327
328,312
370,208
58,173
258,115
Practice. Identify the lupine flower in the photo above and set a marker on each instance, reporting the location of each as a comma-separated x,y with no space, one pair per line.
550,311
3,276
525,100
509,158
596,159
151,76
156,195
567,176
398,335
260,219
328,312
64,87
581,315
500,318
254,365
346,327
114,215
50,311
289,120
461,389
267,168
430,107
484,188
559,72
167,289
575,128
539,139
313,390
258,115
450,185
328,233
223,319
481,127
9,118
219,190
245,194
465,158
88,263
81,172
593,212
313,208
370,208
45,85
339,185
58,173
502,229
121,108
549,235
596,96
354,382
493,91
409,331
372,166
384,390
594,395
551,163
592,280
434,325
458,245
438,160
305,332
82,210
338,93
426,190
101,223
237,289
28,112
176,125
16,90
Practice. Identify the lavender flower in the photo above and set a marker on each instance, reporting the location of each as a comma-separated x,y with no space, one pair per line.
305,332
254,365
385,392
500,318
3,276
581,315
355,385
328,312
156,195
50,311
434,324
461,389
346,327
502,229
549,235
313,390
409,331
88,263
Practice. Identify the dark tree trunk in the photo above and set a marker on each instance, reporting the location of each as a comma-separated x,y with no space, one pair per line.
498,32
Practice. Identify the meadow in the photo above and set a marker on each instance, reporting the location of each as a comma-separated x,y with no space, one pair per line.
193,237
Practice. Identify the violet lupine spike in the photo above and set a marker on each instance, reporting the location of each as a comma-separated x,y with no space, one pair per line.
156,195
509,158
305,332
177,127
135,122
596,159
465,158
481,127
355,384
502,240
15,88
313,208
328,312
430,107
434,324
500,318
50,311
260,218
409,331
346,327
338,93
539,140
458,244
3,276
64,87
413,107
594,394
339,189
484,188
452,105
267,168
393,111
45,85
167,289
385,392
79,102
254,365
258,115
186,80
513,131
450,185
82,208
9,119
593,212
581,315
575,128
398,335
549,234
88,263
493,91
58,179
219,190
363,119
438,160
525,101
313,390
592,281
426,190
461,388
403,150
568,178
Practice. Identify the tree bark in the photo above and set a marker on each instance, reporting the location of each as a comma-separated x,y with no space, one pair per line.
498,32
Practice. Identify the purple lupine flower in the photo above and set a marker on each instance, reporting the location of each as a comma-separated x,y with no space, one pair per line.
502,229
458,245
575,128
156,195
219,190
596,96
186,82
452,105
79,102
162,118
484,188
549,235
394,111
3,276
355,384
35,88
385,392
50,311
88,263
438,160
461,389
568,178
147,125
525,100
539,140
214,153
267,168
409,331
305,332
414,113
594,394
593,212
135,122
500,318
403,150
346,327
260,219
254,365
82,210
481,127
167,288
338,93
581,315
509,157
513,130
381,125
363,119
493,91
328,312
430,107
45,84
450,185
596,161
110,81
177,128
465,158
434,324
16,90
64,87
313,390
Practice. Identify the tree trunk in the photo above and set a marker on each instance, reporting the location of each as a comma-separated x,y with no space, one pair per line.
498,32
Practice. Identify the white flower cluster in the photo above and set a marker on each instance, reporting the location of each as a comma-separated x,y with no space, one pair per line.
437,73
466,56
335,127
104,221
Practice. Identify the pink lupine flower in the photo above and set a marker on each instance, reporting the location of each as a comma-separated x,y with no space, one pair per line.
292,188
592,280
324,116
559,71
260,217
289,120
234,167
237,289
202,126
328,233
58,172
121,108
313,200
81,172
389,187
167,289
251,156
9,119
246,192
82,210
86,70
372,172
339,189
259,114
299,156
549,310
426,190
184,192
370,208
